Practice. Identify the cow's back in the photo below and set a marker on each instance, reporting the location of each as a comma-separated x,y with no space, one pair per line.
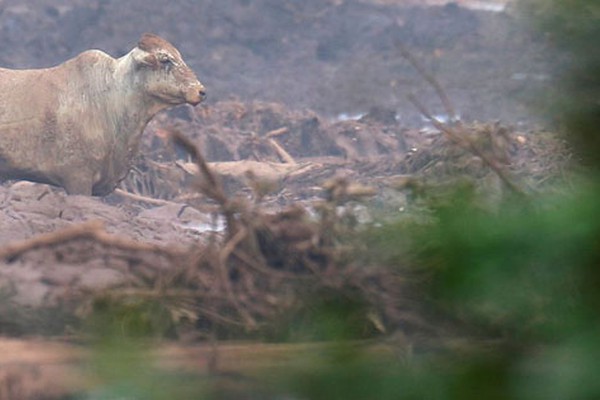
22,94
41,112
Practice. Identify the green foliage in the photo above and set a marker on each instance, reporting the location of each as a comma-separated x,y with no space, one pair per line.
129,318
123,331
572,27
521,269
327,315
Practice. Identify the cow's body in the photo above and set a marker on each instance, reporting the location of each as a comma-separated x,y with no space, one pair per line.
78,125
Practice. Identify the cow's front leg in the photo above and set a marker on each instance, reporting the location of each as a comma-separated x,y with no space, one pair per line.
79,184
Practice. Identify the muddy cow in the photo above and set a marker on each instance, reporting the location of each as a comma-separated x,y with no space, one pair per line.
78,125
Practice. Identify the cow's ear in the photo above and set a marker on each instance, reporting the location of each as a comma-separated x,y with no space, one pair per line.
145,59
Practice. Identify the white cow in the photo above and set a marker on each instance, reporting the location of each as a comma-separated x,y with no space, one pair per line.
78,125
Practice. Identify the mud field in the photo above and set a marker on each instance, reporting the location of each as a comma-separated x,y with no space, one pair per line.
309,96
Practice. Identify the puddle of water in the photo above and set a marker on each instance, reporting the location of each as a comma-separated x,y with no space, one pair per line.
521,76
443,118
349,117
485,6
205,227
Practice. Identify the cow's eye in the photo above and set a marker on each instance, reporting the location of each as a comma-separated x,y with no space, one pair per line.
165,60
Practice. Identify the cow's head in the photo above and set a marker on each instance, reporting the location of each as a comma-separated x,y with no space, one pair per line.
166,76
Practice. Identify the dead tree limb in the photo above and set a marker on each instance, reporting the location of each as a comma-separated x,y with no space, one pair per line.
285,156
92,230
277,132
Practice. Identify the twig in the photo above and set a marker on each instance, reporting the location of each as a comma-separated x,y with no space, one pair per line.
277,132
285,156
214,189
222,265
212,186
430,79
144,199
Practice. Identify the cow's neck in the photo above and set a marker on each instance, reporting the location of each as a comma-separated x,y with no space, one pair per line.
134,108
127,111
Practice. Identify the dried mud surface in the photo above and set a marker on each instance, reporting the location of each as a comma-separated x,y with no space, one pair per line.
300,93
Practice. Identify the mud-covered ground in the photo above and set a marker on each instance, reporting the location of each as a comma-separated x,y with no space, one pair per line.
299,92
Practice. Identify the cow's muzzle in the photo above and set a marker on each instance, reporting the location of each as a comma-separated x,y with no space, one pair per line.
195,95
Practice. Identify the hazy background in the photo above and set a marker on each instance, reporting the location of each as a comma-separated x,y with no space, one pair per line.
332,56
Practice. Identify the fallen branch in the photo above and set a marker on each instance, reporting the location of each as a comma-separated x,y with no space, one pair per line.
262,170
277,132
144,199
92,230
285,156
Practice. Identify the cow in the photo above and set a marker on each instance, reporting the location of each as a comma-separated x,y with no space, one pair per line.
78,125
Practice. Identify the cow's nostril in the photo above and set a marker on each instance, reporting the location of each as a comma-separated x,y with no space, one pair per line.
202,94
